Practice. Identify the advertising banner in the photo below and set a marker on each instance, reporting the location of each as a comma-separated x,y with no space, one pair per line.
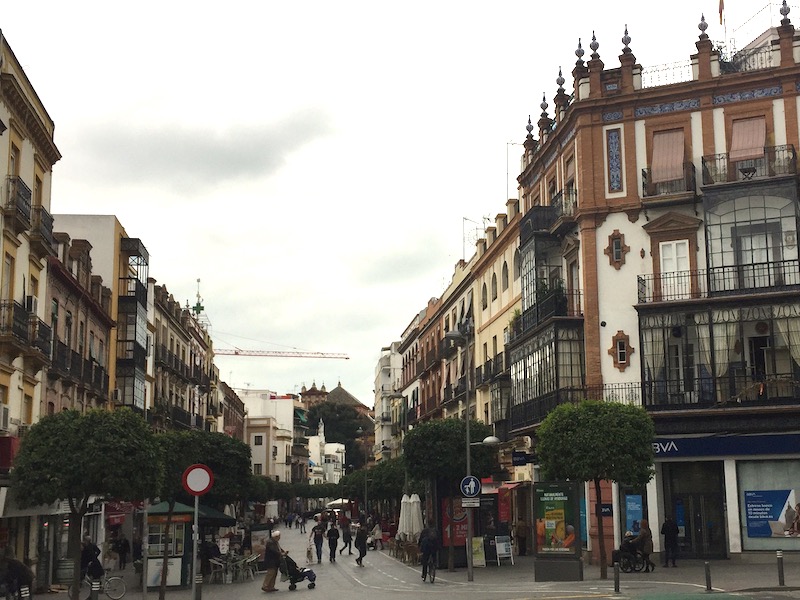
556,513
504,505
633,512
772,513
478,553
455,524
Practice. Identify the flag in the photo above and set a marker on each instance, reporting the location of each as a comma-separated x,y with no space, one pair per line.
721,8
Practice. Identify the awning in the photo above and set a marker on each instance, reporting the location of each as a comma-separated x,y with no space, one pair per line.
115,518
668,155
748,139
208,515
301,415
9,507
514,484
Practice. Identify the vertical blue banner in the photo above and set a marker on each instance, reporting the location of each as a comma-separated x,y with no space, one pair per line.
634,512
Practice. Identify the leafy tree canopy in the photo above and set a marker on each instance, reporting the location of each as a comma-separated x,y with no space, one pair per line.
72,456
227,457
341,426
597,440
436,449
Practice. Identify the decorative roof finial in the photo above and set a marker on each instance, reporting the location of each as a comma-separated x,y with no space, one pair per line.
594,46
543,106
785,13
626,40
560,81
702,26
529,127
579,53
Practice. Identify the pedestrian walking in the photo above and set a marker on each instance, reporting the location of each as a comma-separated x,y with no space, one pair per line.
333,541
347,538
669,529
123,549
377,535
272,561
521,537
302,524
644,541
318,536
361,544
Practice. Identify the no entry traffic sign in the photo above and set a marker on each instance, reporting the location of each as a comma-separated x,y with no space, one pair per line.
198,479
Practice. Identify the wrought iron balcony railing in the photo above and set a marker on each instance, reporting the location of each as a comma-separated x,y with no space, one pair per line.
685,183
755,278
776,161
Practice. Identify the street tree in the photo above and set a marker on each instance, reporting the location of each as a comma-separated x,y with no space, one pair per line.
341,426
69,456
435,451
228,459
596,441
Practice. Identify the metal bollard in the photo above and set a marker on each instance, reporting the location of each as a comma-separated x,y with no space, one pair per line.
24,592
616,578
708,576
781,581
198,587
95,589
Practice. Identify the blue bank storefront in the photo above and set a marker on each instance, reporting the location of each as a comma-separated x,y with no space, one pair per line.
729,494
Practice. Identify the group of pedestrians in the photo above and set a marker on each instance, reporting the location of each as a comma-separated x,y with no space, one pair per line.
324,530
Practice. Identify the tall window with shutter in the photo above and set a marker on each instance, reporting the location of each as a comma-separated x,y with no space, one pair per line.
667,172
748,138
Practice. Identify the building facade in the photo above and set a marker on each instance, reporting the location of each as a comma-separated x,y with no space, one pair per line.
659,267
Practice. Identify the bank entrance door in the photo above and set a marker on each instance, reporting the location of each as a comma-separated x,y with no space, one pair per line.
694,495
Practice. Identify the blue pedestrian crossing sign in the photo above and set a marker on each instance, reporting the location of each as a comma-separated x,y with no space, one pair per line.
470,487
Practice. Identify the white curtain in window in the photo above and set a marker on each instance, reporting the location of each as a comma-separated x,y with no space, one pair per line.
724,332
654,353
790,330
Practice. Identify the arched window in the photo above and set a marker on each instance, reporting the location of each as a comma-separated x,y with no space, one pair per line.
484,297
504,276
494,287
516,263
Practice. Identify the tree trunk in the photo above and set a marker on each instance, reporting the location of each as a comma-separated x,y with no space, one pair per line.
167,541
74,538
598,511
451,557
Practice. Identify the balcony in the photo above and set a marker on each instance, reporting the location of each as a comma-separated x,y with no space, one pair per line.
131,289
60,364
777,161
40,336
180,417
564,204
42,240
534,411
749,280
14,327
17,205
386,417
682,186
550,303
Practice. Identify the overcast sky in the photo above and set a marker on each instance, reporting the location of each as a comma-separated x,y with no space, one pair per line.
312,162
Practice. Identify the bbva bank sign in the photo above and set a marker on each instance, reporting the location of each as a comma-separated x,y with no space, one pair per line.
727,445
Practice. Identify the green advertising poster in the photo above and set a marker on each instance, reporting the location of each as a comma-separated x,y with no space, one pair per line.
557,526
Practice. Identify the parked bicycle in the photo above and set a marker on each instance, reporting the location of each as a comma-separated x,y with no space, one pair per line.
112,586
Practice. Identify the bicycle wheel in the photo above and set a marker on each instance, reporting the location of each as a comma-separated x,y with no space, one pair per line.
432,569
115,588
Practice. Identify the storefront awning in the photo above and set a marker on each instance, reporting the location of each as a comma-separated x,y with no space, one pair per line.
301,415
10,508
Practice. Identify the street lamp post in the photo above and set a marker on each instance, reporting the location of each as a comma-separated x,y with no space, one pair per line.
363,433
461,337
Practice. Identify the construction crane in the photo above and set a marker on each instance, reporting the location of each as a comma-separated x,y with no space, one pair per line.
280,353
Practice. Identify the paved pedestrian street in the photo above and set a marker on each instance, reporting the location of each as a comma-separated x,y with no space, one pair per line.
384,577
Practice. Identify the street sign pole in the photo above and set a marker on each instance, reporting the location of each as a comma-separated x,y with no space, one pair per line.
197,480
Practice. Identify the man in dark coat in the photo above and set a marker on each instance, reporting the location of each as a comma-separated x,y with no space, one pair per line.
272,561
670,532
361,544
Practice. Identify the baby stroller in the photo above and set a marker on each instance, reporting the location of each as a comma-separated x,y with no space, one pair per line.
628,556
290,570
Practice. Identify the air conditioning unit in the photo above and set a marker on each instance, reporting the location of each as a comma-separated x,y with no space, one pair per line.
4,419
31,304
